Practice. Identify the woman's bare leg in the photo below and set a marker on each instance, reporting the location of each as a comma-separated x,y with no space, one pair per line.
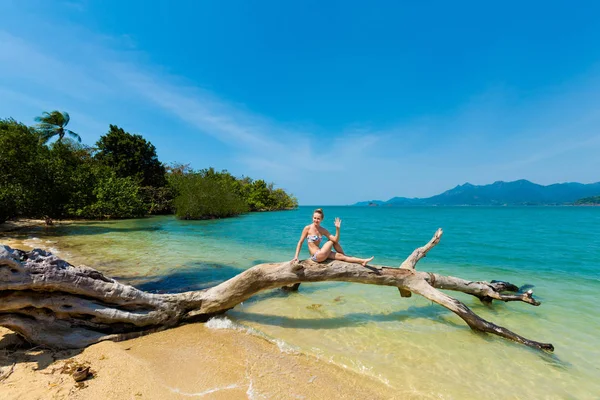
338,248
343,257
325,251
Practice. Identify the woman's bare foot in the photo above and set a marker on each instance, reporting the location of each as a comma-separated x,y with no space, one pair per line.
367,260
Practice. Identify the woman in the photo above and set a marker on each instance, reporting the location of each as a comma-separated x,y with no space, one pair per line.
315,232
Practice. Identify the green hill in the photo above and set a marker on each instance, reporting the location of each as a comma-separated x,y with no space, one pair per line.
521,192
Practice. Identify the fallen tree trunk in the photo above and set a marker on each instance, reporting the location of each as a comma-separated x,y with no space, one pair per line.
53,303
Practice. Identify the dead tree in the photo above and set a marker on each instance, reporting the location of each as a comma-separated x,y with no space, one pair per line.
52,303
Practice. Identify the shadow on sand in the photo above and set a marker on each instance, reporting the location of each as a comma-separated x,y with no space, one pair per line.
15,350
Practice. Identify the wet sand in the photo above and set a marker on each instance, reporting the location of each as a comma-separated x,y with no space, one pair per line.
187,361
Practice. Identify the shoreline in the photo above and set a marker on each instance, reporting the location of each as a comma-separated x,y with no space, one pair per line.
191,360
25,223
187,361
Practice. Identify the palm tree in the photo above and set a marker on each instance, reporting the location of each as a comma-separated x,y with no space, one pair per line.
52,124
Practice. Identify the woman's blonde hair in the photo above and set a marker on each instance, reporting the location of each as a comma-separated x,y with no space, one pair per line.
320,211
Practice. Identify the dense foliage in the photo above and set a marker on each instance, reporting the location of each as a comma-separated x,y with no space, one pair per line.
206,194
131,156
19,148
210,194
121,178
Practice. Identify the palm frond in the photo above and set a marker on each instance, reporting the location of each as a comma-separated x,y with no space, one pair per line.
44,117
74,135
54,118
53,123
66,118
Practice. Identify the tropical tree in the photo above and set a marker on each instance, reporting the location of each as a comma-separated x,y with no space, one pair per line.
131,156
206,194
54,123
20,168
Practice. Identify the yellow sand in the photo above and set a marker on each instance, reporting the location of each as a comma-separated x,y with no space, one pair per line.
188,361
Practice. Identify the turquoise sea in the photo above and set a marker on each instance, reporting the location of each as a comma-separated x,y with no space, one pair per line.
417,347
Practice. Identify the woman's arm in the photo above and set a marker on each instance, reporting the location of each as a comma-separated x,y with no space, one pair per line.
299,246
338,223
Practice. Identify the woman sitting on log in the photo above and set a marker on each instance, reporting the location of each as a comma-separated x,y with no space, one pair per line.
315,232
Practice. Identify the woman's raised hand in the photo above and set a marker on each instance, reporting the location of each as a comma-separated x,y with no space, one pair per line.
337,222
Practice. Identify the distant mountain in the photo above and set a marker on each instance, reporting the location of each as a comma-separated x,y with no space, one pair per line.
521,192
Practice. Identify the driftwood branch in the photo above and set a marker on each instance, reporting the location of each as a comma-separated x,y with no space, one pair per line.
421,252
53,303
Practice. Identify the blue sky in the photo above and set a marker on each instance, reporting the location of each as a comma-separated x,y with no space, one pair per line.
336,102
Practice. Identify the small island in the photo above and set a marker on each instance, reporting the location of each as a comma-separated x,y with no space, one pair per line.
588,201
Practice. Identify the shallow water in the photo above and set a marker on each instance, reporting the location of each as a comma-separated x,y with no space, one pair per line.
415,346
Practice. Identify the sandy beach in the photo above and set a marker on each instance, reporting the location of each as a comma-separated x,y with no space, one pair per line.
188,361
